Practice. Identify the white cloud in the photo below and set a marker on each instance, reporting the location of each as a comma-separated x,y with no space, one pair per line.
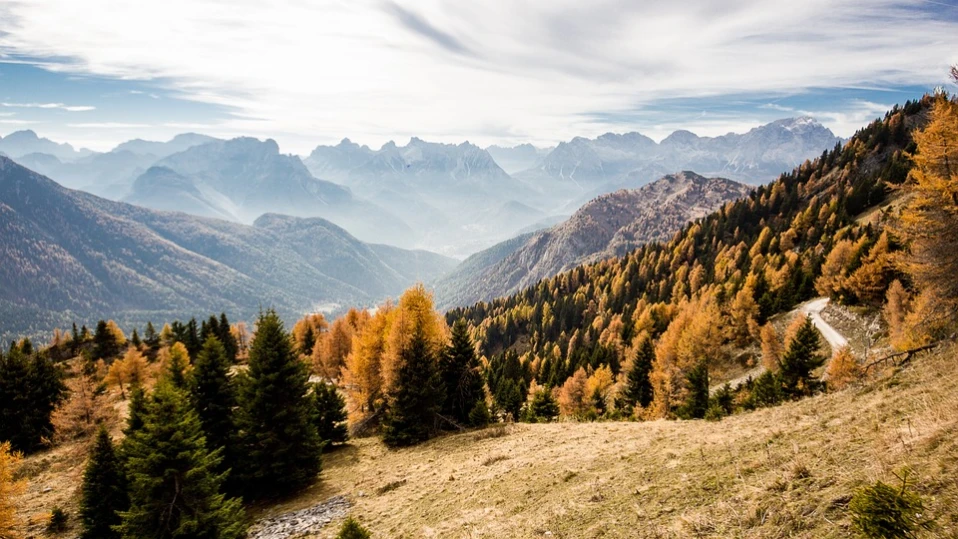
60,106
495,71
17,122
108,125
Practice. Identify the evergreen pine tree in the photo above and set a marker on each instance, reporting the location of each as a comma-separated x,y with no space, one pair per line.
226,337
279,442
697,398
174,488
31,387
192,338
800,360
416,396
179,363
309,340
329,413
150,337
137,410
639,388
459,370
135,339
105,343
75,340
103,493
214,398
543,408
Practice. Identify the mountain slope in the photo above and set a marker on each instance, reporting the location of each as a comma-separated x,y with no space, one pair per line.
737,266
610,225
456,196
517,158
244,178
76,256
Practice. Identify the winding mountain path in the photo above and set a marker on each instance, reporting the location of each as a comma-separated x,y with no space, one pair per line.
814,309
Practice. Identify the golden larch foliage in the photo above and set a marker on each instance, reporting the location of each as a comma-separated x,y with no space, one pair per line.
929,219
84,409
573,398
843,369
362,374
9,489
771,347
895,310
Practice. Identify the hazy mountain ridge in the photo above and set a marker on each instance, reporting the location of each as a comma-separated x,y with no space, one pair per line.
610,225
76,256
243,178
517,158
584,168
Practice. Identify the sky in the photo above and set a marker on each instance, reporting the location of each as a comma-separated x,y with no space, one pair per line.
305,72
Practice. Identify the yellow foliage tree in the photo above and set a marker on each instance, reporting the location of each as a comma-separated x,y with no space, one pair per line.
130,370
9,489
84,409
362,374
929,220
843,369
573,395
771,347
414,312
694,335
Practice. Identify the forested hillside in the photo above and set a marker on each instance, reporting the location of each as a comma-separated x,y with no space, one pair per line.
716,282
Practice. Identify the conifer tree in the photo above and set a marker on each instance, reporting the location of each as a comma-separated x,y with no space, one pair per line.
800,360
543,408
226,337
108,340
351,529
137,411
459,370
329,413
30,389
697,397
214,399
174,488
178,366
75,340
639,388
135,339
103,493
416,396
150,337
279,442
309,340
10,487
192,338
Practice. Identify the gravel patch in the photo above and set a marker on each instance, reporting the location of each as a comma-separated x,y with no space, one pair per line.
302,522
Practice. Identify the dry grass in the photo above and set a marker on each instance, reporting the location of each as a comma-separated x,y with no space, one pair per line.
782,472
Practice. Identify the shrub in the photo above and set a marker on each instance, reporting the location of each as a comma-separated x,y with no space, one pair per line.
58,521
352,530
883,512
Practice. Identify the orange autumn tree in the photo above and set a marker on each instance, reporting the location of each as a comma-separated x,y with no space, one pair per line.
9,489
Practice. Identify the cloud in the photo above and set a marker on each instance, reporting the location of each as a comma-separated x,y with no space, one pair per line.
108,125
17,122
310,72
421,26
60,106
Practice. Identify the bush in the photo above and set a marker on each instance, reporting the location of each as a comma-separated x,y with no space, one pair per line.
352,530
58,521
883,512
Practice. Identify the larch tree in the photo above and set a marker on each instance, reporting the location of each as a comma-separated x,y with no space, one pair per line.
771,347
278,441
103,493
843,369
573,398
362,375
10,488
929,219
175,489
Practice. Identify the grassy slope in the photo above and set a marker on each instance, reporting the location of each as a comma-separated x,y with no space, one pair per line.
780,472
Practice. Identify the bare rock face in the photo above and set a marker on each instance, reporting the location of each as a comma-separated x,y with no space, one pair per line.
302,522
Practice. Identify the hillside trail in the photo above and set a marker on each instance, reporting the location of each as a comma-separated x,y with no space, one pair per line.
812,308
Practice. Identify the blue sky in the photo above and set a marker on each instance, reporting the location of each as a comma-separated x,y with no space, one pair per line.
96,73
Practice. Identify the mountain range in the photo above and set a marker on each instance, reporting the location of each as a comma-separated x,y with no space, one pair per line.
72,256
583,168
609,225
456,199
